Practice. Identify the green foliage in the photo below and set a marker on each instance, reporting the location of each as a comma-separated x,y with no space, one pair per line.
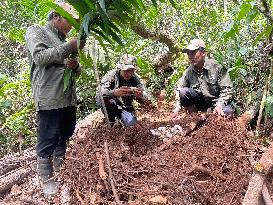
17,112
234,34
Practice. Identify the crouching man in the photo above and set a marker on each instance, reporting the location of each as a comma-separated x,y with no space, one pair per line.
119,87
205,84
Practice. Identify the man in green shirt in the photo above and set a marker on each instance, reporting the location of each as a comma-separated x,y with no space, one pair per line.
48,54
119,87
205,84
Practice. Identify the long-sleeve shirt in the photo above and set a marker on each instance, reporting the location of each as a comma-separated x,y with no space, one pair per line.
113,80
212,81
47,51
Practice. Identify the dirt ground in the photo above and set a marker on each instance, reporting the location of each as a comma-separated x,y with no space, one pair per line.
208,166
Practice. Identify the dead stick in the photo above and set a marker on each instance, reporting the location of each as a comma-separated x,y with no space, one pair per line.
79,197
175,139
111,174
266,196
264,98
102,172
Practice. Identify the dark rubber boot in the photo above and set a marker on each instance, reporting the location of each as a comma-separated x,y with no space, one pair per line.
58,161
45,168
58,158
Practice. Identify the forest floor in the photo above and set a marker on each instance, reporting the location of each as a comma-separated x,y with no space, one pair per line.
205,166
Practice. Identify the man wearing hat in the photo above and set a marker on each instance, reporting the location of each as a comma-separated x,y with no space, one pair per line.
48,53
205,84
119,87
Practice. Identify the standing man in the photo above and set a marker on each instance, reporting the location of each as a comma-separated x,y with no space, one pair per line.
48,54
119,87
204,84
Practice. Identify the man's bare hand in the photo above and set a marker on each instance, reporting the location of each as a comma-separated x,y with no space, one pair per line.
219,110
138,92
74,44
72,64
122,91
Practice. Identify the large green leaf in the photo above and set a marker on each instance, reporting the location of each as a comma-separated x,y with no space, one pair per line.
91,5
244,9
67,78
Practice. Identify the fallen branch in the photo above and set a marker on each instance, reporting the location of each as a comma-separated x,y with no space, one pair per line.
102,173
266,196
16,160
176,139
111,174
256,184
16,177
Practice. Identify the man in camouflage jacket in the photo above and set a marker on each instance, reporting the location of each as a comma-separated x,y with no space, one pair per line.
48,54
119,87
204,84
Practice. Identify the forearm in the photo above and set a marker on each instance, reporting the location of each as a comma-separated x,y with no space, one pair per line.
51,55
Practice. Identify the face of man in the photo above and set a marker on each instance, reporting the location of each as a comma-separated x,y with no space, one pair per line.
196,58
127,74
61,24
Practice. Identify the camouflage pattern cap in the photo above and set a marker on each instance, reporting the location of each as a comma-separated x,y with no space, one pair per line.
126,62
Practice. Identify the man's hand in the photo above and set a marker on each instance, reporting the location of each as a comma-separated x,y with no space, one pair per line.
138,92
219,110
122,91
72,64
74,44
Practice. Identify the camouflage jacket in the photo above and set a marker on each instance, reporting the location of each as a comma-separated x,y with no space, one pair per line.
213,82
113,80
47,51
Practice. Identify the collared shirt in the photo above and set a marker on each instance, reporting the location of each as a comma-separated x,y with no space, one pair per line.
113,80
47,51
212,81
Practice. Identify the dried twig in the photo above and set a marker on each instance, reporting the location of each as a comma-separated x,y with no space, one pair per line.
111,174
102,172
79,197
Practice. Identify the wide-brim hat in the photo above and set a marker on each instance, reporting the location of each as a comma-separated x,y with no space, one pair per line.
194,45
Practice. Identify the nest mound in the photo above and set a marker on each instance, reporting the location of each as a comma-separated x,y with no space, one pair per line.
206,166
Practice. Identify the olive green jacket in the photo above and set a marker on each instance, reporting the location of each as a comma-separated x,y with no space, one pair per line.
47,51
213,82
113,80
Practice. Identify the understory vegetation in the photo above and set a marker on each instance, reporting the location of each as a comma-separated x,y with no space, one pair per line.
238,34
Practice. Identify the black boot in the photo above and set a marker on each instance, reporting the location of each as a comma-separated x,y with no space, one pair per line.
45,168
58,161
58,158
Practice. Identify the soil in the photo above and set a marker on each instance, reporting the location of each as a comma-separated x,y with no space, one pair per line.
209,166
